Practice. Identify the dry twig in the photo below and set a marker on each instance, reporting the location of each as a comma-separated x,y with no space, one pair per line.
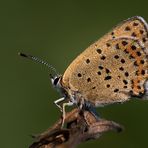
80,127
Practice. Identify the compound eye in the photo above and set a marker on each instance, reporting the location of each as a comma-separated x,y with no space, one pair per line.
56,81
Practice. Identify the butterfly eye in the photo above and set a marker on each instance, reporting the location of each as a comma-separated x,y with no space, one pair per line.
56,80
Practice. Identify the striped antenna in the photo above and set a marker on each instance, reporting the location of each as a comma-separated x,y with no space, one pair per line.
33,58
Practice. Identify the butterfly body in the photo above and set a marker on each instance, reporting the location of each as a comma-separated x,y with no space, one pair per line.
112,70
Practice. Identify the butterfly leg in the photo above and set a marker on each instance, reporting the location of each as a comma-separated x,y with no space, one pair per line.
57,103
89,107
63,109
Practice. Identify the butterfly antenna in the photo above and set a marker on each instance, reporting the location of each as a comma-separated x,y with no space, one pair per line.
33,58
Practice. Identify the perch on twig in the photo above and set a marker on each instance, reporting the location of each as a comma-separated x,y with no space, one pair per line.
81,126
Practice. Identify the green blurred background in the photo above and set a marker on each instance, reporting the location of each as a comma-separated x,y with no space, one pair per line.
58,31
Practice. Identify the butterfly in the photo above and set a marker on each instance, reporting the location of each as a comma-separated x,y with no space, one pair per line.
112,70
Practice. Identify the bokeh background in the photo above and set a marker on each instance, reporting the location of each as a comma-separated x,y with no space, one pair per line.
57,31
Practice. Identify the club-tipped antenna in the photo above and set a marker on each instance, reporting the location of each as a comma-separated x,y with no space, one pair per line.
33,58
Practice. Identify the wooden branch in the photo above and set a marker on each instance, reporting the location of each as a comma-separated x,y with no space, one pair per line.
80,127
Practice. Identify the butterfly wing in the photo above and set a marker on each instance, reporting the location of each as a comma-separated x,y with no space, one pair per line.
113,68
135,27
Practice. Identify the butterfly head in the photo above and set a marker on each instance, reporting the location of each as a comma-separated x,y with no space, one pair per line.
55,77
55,80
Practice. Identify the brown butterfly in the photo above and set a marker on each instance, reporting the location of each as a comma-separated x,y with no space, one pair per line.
112,70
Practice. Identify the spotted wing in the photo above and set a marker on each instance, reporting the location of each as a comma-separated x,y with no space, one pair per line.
112,68
135,27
